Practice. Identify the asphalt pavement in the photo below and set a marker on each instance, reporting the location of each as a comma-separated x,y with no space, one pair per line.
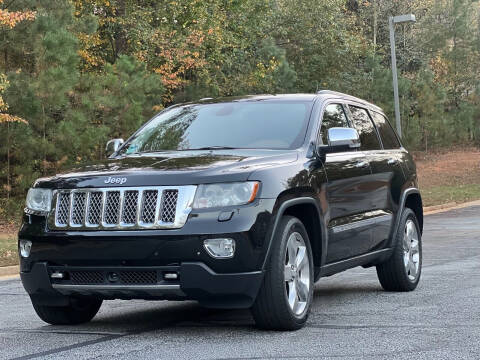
351,317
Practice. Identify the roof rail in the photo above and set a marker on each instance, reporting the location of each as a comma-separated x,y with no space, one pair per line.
330,92
349,97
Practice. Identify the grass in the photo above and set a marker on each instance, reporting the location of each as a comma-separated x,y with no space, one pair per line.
8,250
458,193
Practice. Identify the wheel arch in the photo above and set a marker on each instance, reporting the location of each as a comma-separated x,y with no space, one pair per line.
414,201
411,199
307,210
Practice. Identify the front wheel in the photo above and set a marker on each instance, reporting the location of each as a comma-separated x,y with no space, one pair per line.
402,271
284,300
80,310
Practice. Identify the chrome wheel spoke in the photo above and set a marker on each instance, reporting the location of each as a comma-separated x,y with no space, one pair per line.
412,269
410,229
292,295
300,256
302,289
406,243
414,246
406,259
291,249
289,275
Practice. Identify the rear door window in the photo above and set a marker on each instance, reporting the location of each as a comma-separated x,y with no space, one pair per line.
366,129
387,134
333,116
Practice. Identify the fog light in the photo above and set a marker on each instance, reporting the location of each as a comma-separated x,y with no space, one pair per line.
220,248
25,248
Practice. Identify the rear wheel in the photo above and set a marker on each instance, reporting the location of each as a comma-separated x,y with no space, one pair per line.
402,271
80,310
284,300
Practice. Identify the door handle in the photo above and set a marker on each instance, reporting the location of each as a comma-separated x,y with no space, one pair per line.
392,161
361,164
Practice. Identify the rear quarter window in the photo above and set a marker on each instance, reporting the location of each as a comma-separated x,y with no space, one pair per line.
387,134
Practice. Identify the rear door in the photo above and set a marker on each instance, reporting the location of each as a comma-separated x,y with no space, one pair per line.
386,167
347,191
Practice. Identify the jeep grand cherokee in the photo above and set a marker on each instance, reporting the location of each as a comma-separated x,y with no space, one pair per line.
236,203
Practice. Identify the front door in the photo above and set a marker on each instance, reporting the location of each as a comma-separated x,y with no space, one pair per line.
347,191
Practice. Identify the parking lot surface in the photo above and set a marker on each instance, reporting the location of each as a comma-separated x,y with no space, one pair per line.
352,317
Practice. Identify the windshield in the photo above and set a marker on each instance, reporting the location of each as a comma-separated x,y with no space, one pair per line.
256,125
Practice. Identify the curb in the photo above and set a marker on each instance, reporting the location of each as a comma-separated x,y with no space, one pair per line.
439,207
9,270
429,210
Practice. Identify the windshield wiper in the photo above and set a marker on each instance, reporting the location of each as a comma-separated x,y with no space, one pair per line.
211,148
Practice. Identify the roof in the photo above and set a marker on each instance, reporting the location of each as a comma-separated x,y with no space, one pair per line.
286,97
324,94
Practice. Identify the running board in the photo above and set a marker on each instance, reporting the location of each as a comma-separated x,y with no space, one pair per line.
372,257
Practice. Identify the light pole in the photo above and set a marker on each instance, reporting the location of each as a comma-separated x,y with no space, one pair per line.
392,20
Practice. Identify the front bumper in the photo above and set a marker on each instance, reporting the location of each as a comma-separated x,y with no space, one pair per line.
231,283
196,281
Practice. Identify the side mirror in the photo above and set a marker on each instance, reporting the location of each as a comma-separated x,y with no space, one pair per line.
112,146
341,139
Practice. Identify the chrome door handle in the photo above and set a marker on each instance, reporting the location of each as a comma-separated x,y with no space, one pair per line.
392,161
361,164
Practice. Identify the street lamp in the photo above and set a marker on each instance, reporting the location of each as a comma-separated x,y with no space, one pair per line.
392,20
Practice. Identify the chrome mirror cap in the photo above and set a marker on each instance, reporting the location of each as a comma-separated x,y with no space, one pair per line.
112,146
345,137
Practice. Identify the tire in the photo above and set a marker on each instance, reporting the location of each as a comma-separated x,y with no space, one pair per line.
401,272
272,309
80,310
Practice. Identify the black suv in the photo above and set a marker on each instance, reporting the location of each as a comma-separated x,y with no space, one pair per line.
236,203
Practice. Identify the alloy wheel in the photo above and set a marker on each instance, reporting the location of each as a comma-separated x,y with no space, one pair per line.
297,273
411,251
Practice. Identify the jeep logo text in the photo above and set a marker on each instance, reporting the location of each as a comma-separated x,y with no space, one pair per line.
113,180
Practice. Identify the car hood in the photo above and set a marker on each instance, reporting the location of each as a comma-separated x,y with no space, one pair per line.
169,168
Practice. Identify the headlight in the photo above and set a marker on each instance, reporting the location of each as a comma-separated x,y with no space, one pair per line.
228,194
39,200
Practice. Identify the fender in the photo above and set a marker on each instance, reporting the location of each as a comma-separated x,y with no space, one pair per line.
403,200
283,207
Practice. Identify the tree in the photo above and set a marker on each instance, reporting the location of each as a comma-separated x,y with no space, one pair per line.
8,20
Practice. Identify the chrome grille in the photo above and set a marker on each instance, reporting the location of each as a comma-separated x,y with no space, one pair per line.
120,208
149,206
130,205
63,209
169,203
95,202
112,208
78,208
